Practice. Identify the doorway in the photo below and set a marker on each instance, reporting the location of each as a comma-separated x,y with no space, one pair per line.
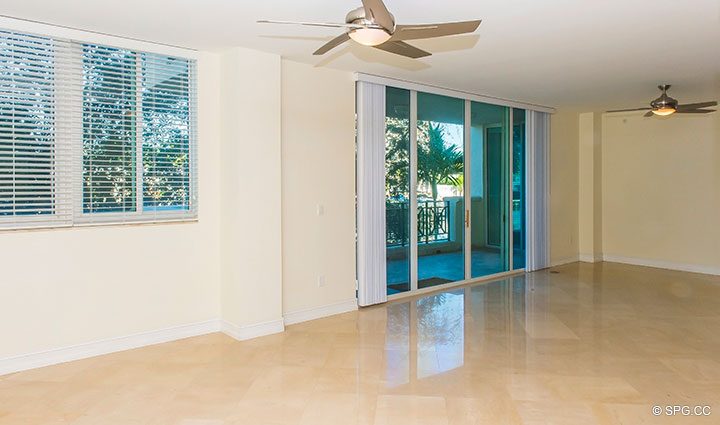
448,199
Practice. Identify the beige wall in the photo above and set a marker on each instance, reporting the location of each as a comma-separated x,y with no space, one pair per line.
590,187
318,172
71,286
661,190
564,154
251,189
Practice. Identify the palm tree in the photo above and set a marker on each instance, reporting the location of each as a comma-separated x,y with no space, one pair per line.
439,162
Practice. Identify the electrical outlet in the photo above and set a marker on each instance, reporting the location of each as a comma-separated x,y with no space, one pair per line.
320,210
321,281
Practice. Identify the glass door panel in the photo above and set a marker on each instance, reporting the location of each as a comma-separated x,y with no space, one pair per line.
488,189
518,189
440,192
397,189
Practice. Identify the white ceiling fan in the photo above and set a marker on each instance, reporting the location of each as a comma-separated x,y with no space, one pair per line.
666,105
373,25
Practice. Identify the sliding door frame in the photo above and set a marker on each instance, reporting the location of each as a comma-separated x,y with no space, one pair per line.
467,195
413,194
507,231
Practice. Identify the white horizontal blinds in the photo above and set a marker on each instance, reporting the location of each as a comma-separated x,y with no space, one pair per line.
34,191
109,123
168,175
94,134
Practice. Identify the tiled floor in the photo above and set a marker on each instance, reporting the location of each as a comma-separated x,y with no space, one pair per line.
589,345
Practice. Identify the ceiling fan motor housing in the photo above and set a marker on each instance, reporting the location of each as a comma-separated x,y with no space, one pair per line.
664,101
357,16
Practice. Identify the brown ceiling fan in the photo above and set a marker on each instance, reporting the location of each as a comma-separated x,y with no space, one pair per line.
373,25
666,105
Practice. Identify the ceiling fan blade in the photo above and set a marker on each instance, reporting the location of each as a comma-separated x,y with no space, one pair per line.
696,106
340,39
630,110
403,49
416,32
695,111
649,114
376,11
312,24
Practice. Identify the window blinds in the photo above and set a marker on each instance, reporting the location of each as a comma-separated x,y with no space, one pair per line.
33,188
94,134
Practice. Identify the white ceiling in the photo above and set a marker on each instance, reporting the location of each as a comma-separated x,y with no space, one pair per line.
580,54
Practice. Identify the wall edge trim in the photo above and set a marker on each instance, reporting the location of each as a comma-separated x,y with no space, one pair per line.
308,314
660,264
242,333
563,261
106,346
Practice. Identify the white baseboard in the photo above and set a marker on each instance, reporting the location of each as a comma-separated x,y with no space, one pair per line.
105,346
591,258
242,333
693,268
320,312
564,261
112,345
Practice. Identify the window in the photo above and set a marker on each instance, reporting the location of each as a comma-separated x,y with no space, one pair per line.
28,154
94,134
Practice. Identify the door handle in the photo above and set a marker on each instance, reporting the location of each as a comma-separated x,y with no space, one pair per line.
467,218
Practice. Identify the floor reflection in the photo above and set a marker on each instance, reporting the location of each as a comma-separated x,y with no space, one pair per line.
497,322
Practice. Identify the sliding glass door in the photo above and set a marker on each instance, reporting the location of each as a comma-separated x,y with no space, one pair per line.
454,189
440,192
488,189
518,188
397,189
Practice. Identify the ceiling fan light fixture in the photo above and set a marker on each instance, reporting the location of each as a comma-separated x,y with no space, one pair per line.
664,111
370,36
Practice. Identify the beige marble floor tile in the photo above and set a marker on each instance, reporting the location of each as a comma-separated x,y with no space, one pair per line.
696,370
557,413
592,388
407,410
495,408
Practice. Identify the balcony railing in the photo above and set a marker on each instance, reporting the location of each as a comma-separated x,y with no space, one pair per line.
433,222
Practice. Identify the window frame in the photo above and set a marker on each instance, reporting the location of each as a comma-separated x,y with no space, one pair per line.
68,118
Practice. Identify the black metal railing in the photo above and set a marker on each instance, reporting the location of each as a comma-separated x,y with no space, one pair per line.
433,222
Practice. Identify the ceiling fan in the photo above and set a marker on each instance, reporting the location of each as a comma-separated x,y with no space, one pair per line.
373,25
666,105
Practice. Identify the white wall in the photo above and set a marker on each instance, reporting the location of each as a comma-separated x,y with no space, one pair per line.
661,190
318,171
72,286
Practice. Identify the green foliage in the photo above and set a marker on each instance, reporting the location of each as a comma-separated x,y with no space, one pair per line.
397,160
439,162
